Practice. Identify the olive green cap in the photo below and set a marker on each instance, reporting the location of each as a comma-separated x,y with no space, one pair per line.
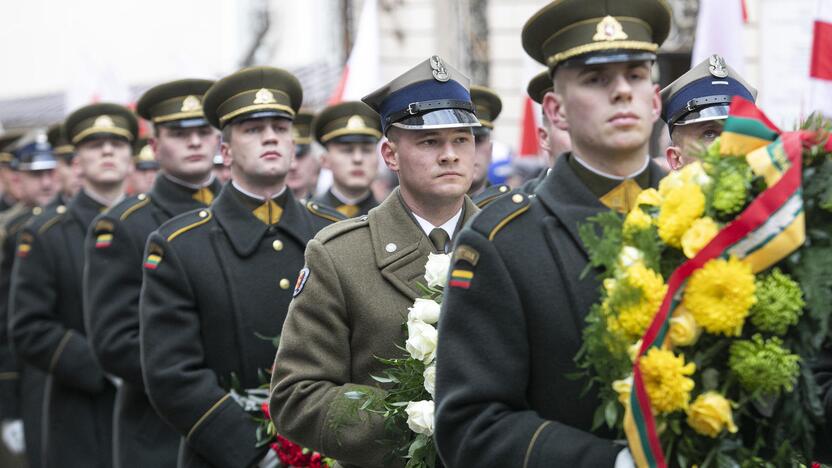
143,157
596,31
347,122
487,105
176,103
302,127
252,93
60,145
7,141
540,85
101,119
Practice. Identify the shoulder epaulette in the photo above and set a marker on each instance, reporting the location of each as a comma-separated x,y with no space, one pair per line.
325,212
342,227
49,217
129,206
499,213
185,222
15,224
490,194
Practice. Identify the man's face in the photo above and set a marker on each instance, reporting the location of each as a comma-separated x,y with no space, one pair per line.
432,164
103,161
353,165
141,180
11,182
38,187
552,140
607,108
186,153
68,180
303,174
482,151
260,150
688,141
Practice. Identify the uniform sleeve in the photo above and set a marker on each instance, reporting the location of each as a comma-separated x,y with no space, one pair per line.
9,368
112,283
312,373
482,376
183,390
38,335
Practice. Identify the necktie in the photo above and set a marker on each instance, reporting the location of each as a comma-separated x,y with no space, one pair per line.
623,197
269,212
204,196
440,239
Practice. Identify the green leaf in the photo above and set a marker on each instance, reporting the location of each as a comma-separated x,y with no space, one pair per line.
611,413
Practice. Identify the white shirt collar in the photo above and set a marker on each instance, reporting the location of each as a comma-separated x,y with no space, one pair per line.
449,226
103,201
254,195
345,199
181,182
610,176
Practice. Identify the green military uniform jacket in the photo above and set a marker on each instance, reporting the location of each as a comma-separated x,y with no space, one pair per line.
363,276
47,330
489,194
510,330
216,281
361,208
112,283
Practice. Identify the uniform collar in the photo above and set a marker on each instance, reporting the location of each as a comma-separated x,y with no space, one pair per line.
600,182
342,199
84,208
449,226
174,198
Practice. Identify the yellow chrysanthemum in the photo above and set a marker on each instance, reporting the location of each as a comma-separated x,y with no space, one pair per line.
698,235
720,294
681,207
636,220
650,197
710,414
671,181
666,380
635,318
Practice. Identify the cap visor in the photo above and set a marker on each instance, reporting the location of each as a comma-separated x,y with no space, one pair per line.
44,165
704,115
442,118
185,123
612,56
261,114
355,138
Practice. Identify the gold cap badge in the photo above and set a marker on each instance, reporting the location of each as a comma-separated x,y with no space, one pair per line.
609,29
264,96
104,121
191,104
355,122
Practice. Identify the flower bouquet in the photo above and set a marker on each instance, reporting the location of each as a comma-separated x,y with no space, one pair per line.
408,401
714,300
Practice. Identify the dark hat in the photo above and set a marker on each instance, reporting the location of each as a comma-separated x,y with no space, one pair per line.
486,104
7,141
430,95
302,127
32,152
177,103
539,86
60,145
101,119
703,93
347,122
143,157
253,93
589,32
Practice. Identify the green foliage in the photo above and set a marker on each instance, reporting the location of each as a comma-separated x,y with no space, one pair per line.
764,366
779,303
602,236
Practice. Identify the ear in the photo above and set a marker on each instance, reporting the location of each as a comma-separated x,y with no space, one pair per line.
389,155
674,157
154,143
657,103
553,107
325,162
225,151
543,140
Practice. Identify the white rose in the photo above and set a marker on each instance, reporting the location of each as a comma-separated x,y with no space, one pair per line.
430,379
426,310
436,270
629,256
421,340
420,416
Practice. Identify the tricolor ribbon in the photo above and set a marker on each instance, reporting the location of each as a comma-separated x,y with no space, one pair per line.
768,230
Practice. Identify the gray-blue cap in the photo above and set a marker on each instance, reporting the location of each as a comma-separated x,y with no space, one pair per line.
33,152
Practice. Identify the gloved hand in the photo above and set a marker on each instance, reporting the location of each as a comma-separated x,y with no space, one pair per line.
11,431
624,460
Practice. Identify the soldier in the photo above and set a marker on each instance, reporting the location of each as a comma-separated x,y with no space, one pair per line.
8,182
488,106
184,144
361,275
217,279
349,132
303,173
513,313
47,323
695,106
145,167
68,181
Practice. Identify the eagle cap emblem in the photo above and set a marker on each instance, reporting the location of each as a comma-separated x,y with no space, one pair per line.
717,66
440,73
609,29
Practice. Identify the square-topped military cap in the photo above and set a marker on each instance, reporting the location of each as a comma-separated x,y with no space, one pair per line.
487,106
7,141
102,119
588,32
60,144
175,104
704,93
540,85
253,93
143,157
431,95
347,122
32,152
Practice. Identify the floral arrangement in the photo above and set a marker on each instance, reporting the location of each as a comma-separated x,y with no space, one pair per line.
714,298
408,401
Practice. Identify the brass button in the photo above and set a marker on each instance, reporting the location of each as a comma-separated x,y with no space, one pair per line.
37,210
142,196
284,284
503,189
61,209
277,245
203,214
517,198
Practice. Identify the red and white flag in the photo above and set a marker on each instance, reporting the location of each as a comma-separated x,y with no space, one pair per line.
719,30
361,74
530,114
820,66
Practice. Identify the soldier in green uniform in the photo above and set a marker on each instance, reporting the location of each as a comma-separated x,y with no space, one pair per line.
349,132
45,305
695,106
217,280
184,145
361,275
68,181
514,310
8,183
303,173
488,106
145,167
